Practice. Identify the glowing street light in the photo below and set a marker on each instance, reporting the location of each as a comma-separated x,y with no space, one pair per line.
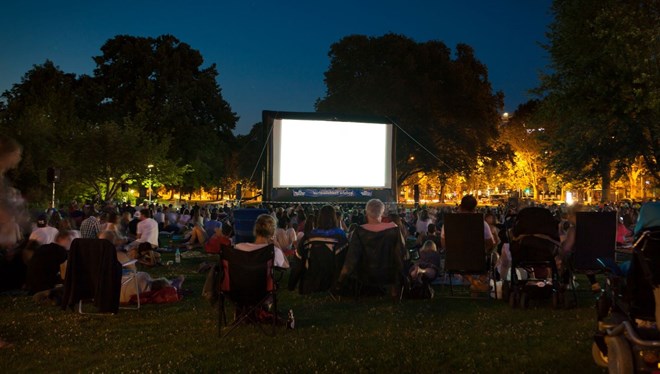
151,183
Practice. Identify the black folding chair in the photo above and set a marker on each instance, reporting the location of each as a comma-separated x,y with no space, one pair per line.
319,265
249,283
595,237
464,241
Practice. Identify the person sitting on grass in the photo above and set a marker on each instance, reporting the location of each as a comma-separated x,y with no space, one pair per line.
43,268
427,267
145,282
196,237
220,239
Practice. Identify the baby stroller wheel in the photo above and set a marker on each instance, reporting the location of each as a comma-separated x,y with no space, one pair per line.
619,357
599,357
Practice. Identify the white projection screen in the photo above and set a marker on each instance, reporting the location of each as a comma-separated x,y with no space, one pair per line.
331,154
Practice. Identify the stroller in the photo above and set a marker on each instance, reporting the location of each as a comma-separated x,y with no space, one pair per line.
627,338
533,242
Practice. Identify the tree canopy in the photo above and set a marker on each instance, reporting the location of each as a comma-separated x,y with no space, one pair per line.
444,103
602,96
149,102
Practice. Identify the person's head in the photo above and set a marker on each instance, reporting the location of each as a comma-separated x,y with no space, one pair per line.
283,222
431,228
424,215
10,153
144,214
64,238
54,219
310,223
429,245
42,220
468,204
264,227
227,230
113,217
394,217
374,210
490,218
108,235
327,218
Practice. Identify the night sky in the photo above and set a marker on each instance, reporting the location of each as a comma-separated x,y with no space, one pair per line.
272,54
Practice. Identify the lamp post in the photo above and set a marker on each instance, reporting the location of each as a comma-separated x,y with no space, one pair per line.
151,182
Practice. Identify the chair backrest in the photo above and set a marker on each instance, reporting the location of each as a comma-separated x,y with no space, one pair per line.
464,241
247,275
244,220
322,262
93,272
595,237
644,275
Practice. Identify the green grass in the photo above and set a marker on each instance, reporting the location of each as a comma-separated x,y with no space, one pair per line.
367,335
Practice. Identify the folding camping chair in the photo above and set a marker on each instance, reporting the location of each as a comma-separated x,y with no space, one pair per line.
464,241
93,273
595,237
319,266
248,282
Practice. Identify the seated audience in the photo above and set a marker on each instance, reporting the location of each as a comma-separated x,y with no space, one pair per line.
220,239
376,252
469,205
264,230
43,269
43,234
428,266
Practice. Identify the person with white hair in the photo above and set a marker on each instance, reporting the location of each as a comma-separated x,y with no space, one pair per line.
376,252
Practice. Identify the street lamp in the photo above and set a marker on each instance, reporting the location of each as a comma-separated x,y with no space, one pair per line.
151,183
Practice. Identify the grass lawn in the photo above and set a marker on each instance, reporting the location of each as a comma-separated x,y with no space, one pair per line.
367,335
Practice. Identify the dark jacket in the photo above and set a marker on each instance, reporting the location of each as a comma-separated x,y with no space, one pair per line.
375,257
93,272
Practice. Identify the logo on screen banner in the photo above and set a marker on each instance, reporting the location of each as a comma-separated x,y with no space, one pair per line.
317,193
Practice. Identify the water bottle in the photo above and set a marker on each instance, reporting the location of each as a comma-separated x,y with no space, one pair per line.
177,256
290,322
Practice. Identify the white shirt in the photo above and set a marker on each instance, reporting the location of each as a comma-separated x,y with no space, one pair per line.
44,235
147,231
280,260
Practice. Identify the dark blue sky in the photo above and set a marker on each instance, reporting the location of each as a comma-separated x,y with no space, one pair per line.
272,54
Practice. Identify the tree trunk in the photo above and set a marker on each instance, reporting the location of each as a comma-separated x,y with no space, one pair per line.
443,183
606,180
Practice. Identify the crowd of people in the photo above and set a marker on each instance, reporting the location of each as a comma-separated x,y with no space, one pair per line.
326,246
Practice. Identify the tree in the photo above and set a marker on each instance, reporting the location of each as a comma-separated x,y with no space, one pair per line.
39,112
110,155
602,99
444,108
528,166
159,84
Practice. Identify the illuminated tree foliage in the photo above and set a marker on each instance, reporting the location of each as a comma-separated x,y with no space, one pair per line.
603,94
444,102
528,167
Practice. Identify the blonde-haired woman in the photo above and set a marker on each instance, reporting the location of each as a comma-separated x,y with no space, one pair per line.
264,231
